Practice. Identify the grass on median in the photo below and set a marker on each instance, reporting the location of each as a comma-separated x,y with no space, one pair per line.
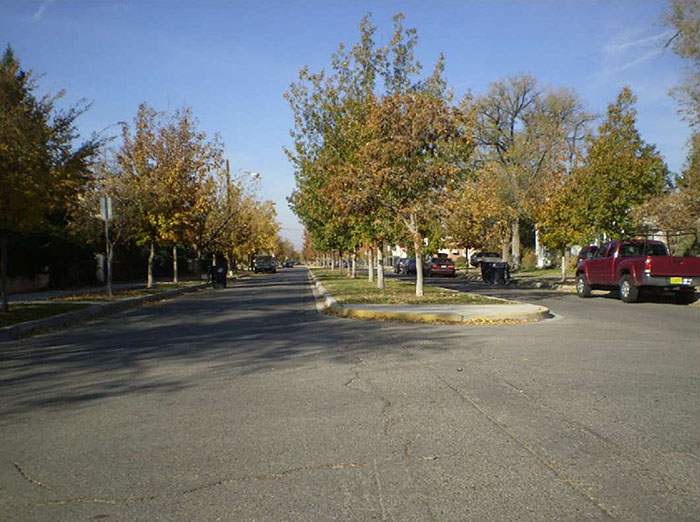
360,291
21,312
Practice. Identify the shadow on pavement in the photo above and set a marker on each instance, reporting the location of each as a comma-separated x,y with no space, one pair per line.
250,327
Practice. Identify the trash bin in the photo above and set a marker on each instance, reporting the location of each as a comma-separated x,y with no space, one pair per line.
495,272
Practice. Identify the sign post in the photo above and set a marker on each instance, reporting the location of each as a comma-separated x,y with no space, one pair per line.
106,214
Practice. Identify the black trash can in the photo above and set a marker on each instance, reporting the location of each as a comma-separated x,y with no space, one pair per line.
487,272
497,273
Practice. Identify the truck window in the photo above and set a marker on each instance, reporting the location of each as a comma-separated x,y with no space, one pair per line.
656,249
602,251
632,249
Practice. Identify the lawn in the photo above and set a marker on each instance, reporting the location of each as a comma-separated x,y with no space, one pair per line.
124,294
360,291
21,312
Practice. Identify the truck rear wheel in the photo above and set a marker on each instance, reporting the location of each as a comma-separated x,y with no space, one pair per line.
583,289
685,297
628,291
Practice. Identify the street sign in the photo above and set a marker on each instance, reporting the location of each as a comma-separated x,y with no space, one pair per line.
106,208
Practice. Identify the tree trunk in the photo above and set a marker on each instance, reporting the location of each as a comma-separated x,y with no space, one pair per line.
4,263
539,250
332,261
370,265
418,250
175,280
198,265
564,263
151,258
515,242
418,247
353,274
380,266
505,247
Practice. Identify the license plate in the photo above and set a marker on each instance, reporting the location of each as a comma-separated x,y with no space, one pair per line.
676,280
443,266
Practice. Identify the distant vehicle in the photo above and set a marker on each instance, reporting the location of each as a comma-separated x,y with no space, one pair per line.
265,264
586,252
288,264
633,265
442,266
477,258
410,267
399,265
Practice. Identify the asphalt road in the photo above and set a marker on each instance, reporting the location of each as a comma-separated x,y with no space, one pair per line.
245,404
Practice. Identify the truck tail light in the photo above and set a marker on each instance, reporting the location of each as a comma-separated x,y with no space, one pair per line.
647,266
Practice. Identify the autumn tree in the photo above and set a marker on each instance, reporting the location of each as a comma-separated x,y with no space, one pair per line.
598,198
338,198
525,137
164,166
684,17
418,152
41,166
476,214
683,203
185,159
621,171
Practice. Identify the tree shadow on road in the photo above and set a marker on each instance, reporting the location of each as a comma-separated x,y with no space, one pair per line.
167,347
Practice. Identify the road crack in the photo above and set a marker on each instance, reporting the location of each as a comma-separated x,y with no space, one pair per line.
561,475
280,475
29,479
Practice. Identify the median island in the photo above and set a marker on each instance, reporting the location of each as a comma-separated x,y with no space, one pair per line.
360,291
358,298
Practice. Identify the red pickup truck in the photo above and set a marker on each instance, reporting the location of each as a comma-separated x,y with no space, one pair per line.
631,265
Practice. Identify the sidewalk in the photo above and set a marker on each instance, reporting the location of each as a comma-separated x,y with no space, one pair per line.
510,312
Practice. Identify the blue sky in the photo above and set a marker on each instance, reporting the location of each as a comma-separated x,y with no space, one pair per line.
232,61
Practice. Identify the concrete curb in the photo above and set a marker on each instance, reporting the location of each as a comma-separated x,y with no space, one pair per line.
325,303
29,328
520,283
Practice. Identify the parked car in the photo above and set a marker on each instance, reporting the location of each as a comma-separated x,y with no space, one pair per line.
586,252
399,265
633,265
443,266
288,264
265,264
410,267
477,258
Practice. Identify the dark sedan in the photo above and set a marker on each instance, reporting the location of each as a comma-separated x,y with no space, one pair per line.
410,267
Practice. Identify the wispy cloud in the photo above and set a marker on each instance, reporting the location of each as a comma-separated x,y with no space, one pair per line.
640,60
627,52
655,40
39,12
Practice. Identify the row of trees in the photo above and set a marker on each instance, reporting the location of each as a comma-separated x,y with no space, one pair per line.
383,155
167,181
170,186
